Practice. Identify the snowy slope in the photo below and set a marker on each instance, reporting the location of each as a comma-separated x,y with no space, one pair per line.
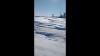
49,36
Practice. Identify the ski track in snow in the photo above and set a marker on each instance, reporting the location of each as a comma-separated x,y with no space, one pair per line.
49,36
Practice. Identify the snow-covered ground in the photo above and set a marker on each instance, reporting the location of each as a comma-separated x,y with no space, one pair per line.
50,36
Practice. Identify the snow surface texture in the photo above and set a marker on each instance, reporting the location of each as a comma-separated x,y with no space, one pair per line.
50,36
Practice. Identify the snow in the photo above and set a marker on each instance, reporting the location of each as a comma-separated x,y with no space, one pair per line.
50,36
45,47
42,19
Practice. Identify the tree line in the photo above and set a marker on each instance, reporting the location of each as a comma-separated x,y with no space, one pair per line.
61,15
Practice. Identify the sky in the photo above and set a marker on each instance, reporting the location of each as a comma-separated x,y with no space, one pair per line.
49,7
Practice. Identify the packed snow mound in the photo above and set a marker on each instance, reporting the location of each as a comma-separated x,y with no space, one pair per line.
42,19
51,22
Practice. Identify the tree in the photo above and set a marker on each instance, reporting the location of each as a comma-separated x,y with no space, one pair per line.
62,15
52,15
